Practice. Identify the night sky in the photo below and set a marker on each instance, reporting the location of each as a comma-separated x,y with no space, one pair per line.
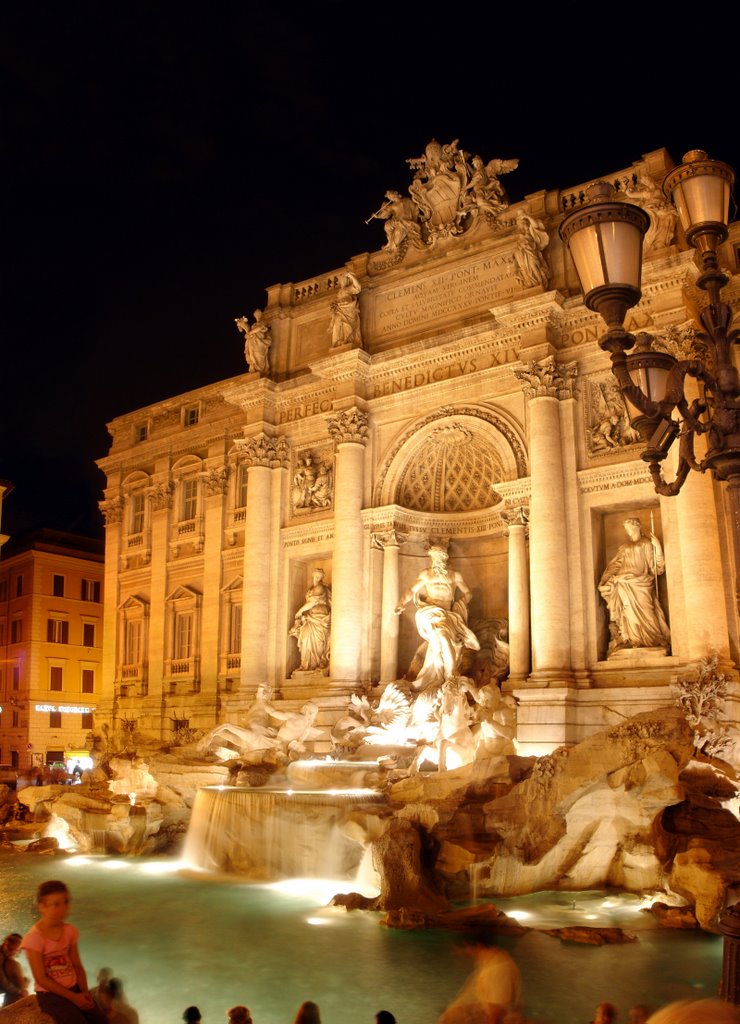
162,164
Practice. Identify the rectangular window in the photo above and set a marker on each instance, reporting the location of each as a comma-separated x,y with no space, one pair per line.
55,719
132,643
16,631
2,634
88,680
189,499
88,634
16,719
86,720
57,631
235,629
56,675
19,586
57,585
241,487
16,677
183,635
191,416
3,590
136,522
91,590
142,432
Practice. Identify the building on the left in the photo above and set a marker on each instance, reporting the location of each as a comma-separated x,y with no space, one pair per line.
51,620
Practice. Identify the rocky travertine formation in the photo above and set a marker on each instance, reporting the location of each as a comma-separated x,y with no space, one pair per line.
634,807
25,1011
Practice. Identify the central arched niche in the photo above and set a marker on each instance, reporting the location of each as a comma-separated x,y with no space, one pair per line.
445,468
450,462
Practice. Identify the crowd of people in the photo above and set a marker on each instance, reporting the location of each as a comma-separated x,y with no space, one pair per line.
491,995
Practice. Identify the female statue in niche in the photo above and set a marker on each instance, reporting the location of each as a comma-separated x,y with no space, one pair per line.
312,625
629,587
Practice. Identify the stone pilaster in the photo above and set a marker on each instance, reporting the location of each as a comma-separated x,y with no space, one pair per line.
349,431
390,544
261,454
214,482
112,510
160,500
545,383
519,628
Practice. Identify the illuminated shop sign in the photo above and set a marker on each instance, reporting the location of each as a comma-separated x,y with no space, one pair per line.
66,709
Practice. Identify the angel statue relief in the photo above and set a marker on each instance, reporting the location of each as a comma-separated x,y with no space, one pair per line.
485,193
257,341
401,220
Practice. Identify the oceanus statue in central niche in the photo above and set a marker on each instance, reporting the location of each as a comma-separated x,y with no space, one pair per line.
441,619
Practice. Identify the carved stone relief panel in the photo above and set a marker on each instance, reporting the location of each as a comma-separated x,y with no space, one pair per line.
312,488
607,424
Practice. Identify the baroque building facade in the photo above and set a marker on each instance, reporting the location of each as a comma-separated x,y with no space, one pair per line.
445,389
51,646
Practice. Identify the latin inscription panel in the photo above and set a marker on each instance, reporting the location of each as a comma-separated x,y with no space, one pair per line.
485,282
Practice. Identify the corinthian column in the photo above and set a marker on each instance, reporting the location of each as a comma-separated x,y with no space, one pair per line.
519,636
261,454
349,430
545,383
390,544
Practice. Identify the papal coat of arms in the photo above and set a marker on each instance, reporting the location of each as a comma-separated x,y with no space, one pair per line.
451,189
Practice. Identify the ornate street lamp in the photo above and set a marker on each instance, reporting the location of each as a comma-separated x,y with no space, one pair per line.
605,240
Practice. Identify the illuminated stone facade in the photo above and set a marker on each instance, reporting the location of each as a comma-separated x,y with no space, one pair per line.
51,645
458,396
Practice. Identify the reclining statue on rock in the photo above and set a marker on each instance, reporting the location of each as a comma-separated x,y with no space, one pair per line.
255,734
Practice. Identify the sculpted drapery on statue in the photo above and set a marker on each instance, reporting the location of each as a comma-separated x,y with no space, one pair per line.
312,625
345,313
441,619
628,585
532,239
257,341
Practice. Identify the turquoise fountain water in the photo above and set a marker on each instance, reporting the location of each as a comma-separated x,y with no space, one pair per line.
178,938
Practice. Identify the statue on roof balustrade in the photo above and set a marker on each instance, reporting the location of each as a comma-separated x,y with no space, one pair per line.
257,342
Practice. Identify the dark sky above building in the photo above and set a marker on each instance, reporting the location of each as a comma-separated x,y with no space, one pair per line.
162,163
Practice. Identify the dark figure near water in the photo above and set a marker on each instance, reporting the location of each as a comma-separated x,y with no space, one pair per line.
384,1017
192,1015
308,1013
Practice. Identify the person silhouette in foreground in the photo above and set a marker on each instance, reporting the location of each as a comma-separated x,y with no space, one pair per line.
51,949
384,1017
308,1013
191,1015
606,1013
239,1015
13,983
697,1011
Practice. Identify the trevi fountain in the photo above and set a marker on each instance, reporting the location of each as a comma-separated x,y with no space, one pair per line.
482,679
